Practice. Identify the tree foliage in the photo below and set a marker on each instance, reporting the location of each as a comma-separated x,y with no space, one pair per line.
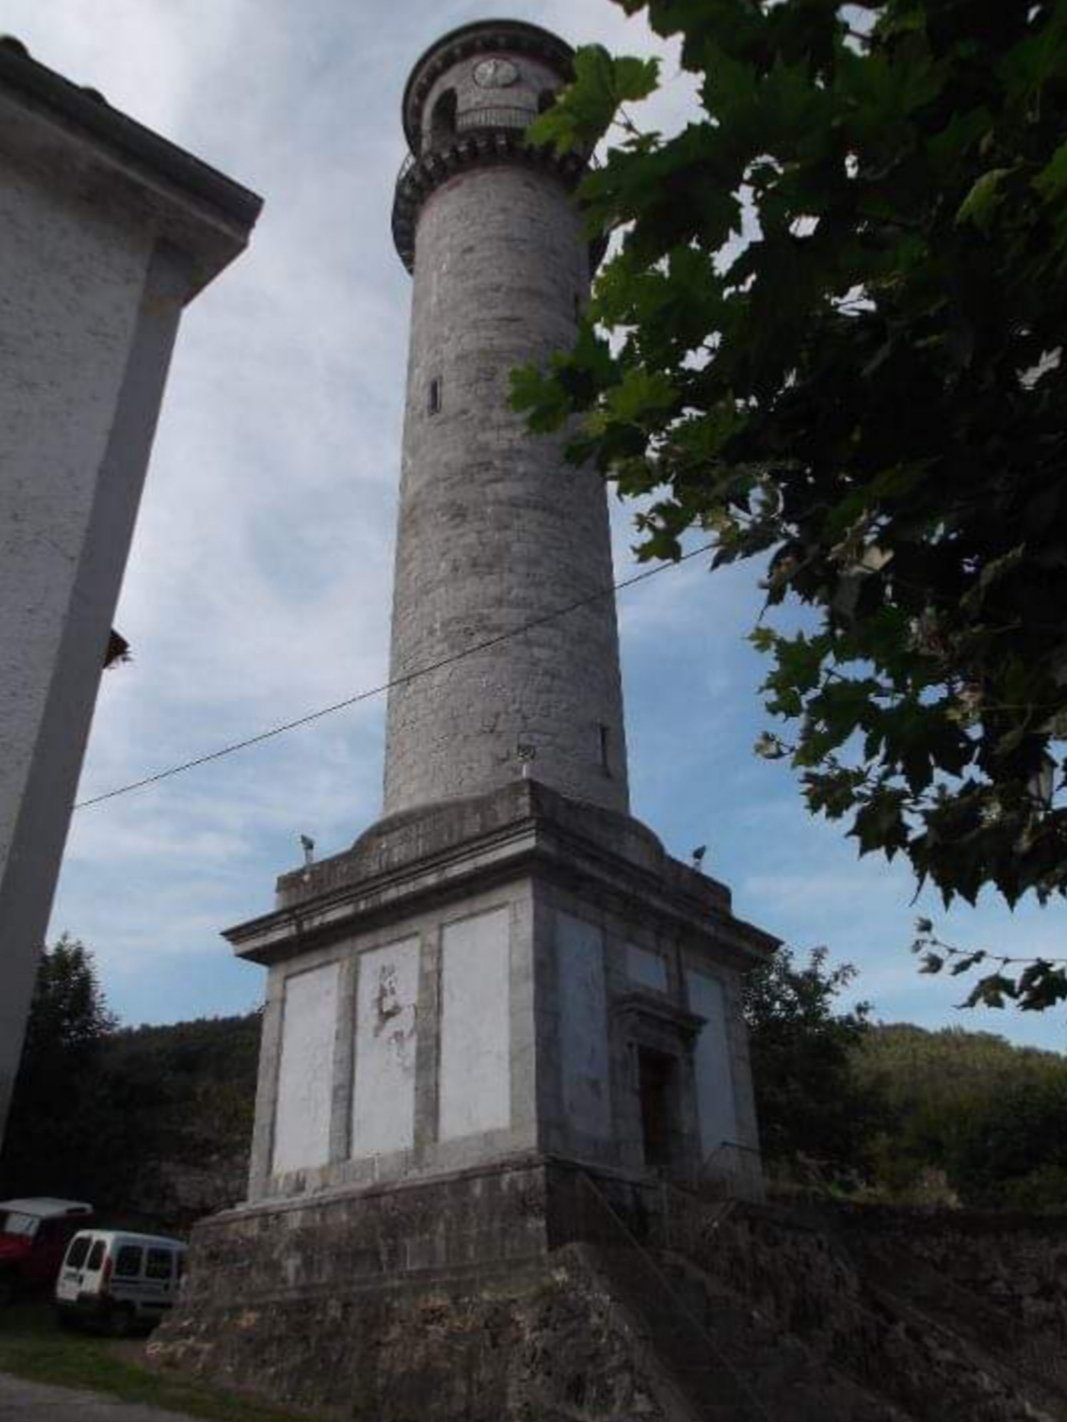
53,1127
987,1117
808,1101
866,392
110,1114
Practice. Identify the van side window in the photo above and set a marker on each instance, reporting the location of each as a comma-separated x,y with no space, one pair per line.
159,1264
77,1252
96,1254
128,1261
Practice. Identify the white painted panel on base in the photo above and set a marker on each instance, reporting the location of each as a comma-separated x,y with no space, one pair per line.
583,1027
475,1080
383,1098
305,1071
648,969
714,1073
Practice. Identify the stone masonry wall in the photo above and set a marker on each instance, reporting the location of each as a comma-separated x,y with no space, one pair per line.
543,1342
850,1290
495,529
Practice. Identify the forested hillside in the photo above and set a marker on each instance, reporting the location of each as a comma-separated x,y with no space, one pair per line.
969,1109
151,1124
893,1112
153,1128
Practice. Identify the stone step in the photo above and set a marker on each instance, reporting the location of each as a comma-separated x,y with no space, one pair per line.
673,1319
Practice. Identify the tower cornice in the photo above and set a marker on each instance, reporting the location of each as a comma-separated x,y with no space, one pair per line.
490,35
421,174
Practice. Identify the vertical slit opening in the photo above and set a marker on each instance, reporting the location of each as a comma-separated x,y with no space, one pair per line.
433,398
604,738
443,118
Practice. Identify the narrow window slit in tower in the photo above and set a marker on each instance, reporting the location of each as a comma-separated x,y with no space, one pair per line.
603,734
443,118
433,400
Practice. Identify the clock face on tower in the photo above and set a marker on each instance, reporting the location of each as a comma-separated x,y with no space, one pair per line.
495,73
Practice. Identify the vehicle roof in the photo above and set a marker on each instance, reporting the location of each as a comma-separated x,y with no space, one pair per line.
46,1206
129,1236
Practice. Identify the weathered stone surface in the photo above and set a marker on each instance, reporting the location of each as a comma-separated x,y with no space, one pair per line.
857,1298
584,889
496,531
1004,1274
536,1343
324,1244
451,1298
735,1314
431,835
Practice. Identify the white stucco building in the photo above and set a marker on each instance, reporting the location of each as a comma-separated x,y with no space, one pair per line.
106,232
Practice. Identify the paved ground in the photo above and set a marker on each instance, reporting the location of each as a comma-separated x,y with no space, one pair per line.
41,1402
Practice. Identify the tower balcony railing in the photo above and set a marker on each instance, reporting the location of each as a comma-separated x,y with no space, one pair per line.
473,135
502,117
512,118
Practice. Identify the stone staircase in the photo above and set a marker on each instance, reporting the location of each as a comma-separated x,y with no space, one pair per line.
849,1339
912,1289
709,1355
693,1375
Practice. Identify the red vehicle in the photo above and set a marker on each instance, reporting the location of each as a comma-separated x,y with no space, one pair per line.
34,1235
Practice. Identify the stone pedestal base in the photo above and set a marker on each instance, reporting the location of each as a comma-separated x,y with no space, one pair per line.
512,974
471,1011
461,1297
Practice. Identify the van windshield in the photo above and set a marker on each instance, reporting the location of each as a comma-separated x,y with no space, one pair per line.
21,1224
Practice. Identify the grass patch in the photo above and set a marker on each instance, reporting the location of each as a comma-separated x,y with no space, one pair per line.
33,1346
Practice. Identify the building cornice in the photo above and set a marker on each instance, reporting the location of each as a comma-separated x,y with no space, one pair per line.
448,852
53,126
478,148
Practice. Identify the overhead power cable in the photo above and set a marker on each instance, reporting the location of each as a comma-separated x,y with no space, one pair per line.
359,696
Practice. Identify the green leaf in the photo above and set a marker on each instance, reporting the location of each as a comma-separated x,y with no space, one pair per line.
540,397
843,395
639,394
991,992
1051,182
980,204
586,108
1040,986
967,962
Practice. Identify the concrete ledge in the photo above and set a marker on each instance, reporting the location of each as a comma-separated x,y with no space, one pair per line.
333,1244
73,134
494,1344
446,849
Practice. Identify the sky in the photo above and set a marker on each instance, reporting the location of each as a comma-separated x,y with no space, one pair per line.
258,584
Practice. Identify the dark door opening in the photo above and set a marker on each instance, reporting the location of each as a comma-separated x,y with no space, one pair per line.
655,1079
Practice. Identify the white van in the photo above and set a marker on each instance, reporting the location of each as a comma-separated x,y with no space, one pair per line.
121,1280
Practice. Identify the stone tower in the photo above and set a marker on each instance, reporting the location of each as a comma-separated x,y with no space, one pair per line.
495,529
506,986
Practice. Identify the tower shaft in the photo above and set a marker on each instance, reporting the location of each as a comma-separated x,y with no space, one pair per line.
497,533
